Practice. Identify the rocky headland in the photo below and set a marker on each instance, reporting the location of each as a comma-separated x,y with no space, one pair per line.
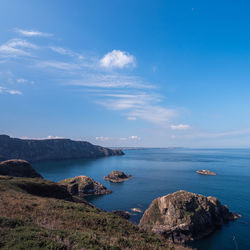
40,214
182,216
205,172
51,149
84,185
117,176
18,168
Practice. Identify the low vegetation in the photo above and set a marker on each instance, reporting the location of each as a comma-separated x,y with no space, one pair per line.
49,218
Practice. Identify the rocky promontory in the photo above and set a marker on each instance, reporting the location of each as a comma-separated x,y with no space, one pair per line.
84,185
117,176
18,168
182,216
50,149
205,172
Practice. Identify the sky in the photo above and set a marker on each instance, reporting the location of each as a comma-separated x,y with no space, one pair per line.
170,73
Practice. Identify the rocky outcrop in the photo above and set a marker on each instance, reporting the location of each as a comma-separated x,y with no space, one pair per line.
18,168
183,216
84,185
205,172
50,149
117,176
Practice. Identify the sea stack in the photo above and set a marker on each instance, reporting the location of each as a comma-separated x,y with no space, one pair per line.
183,216
84,185
117,176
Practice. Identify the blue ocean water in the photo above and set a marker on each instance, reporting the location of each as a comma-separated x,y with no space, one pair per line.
157,172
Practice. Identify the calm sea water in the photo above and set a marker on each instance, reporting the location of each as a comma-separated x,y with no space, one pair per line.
157,172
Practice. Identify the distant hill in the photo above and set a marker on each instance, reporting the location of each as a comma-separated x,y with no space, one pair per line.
50,149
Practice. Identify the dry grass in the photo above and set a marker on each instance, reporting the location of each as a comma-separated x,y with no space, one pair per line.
50,223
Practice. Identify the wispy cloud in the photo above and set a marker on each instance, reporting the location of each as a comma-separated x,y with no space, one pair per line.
180,127
117,59
9,91
68,66
98,80
16,47
67,52
32,33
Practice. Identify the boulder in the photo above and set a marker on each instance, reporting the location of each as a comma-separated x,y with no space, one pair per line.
182,216
84,185
18,168
117,176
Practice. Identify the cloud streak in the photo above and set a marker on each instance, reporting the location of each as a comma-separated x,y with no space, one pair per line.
32,33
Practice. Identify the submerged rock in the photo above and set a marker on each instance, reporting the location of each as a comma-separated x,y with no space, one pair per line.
84,185
205,172
117,176
18,168
183,216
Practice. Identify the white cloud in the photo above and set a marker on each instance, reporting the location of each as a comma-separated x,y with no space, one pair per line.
67,52
58,65
15,47
21,80
32,33
117,59
10,91
96,80
102,138
131,118
180,127
134,137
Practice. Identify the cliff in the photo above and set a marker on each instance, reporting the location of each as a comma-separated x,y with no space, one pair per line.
50,149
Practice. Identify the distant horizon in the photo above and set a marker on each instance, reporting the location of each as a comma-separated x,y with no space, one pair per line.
126,73
126,147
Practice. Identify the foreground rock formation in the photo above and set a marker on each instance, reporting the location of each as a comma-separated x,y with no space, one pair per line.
183,216
50,149
205,172
117,176
18,168
84,185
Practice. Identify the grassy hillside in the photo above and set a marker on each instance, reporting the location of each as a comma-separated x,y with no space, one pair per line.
39,214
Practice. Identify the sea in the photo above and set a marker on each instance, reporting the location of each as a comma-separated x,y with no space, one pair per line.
158,172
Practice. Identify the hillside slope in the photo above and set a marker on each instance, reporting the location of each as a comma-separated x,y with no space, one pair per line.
39,214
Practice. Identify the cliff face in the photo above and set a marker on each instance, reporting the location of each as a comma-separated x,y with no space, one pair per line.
50,149
183,216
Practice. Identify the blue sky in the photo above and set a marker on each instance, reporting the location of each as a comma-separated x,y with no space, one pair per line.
126,73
